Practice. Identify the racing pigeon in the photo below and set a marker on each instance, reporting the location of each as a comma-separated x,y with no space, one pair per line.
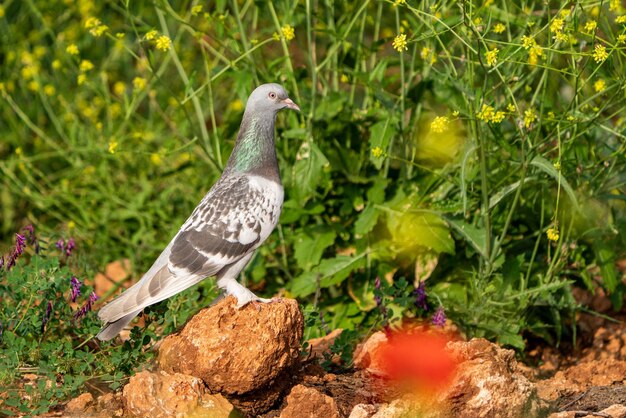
230,223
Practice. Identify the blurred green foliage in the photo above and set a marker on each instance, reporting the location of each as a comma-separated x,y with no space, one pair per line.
477,145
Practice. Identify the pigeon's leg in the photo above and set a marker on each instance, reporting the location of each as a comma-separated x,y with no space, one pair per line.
227,280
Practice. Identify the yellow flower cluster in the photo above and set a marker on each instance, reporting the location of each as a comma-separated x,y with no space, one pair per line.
377,152
72,49
440,124
95,26
599,53
163,43
599,85
288,32
553,234
535,51
489,114
492,57
529,117
591,26
139,83
399,43
428,54
195,10
499,28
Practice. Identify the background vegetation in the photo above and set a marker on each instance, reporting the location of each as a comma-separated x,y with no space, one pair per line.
470,151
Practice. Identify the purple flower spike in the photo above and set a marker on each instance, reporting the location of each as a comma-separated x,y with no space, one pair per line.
420,296
20,244
87,306
70,247
75,288
60,244
1,262
439,318
377,298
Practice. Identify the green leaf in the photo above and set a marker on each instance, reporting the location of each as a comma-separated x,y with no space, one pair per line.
329,272
380,134
367,220
477,238
548,168
308,171
310,244
605,255
420,229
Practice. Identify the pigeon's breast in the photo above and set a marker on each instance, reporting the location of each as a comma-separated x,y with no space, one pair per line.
269,197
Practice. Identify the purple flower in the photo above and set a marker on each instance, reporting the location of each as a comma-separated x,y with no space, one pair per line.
46,316
86,307
439,318
20,244
60,244
420,296
1,262
32,238
70,247
377,298
75,288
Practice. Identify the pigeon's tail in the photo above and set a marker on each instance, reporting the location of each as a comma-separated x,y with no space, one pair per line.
111,329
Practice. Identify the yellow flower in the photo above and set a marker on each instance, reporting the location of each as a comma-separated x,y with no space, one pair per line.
95,26
557,165
119,88
139,83
455,113
499,28
561,37
621,39
120,35
49,90
498,117
398,2
553,233
599,53
163,43
486,113
425,52
72,49
510,107
439,124
56,64
195,10
288,32
81,79
33,85
557,25
377,152
71,225
344,78
85,65
92,22
492,57
590,26
620,19
529,117
156,158
528,42
112,146
599,85
399,43
151,35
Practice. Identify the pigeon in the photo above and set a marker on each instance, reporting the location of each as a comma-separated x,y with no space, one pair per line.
234,218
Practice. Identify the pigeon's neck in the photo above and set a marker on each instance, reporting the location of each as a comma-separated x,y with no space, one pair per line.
255,152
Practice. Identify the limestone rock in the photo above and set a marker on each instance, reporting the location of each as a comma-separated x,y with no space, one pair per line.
161,395
80,404
363,410
305,402
488,384
240,353
367,354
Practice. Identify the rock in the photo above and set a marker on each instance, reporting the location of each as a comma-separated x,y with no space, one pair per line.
246,354
581,377
615,411
81,404
161,395
367,355
305,402
363,410
399,408
488,384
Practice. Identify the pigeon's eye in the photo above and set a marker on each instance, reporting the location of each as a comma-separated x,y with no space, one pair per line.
272,95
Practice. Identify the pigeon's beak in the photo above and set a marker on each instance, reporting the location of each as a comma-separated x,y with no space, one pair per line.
290,104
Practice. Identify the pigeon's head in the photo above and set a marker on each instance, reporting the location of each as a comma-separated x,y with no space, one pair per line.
269,98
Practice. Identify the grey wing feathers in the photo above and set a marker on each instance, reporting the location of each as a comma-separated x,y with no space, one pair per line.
220,231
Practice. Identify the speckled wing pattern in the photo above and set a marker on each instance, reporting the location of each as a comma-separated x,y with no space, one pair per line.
232,220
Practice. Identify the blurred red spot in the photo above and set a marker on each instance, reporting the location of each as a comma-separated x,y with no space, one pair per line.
418,357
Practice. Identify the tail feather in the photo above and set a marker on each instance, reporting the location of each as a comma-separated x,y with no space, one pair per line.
111,329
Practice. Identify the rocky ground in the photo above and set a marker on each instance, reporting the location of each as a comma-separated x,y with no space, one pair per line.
227,362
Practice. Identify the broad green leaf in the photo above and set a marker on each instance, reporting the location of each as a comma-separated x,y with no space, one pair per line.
308,171
420,229
328,272
477,238
548,168
605,255
310,244
367,220
380,134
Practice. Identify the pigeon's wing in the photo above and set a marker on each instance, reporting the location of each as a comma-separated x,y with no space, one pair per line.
227,224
